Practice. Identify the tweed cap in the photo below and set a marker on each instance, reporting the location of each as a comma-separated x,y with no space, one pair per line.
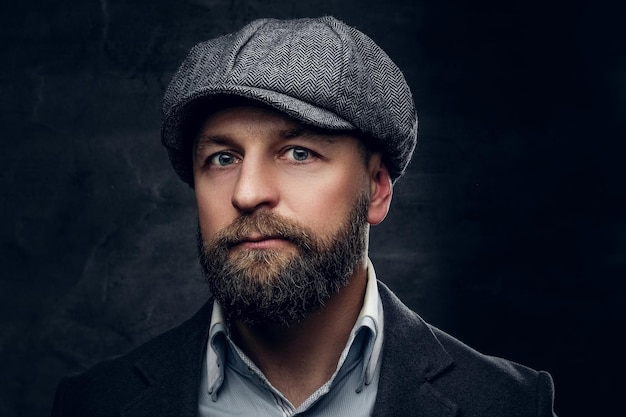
320,71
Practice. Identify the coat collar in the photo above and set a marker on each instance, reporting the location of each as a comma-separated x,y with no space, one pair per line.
412,358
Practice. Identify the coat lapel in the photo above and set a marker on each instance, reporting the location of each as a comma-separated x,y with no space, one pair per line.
412,357
172,372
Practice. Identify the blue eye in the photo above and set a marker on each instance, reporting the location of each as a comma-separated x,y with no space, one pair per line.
300,154
222,159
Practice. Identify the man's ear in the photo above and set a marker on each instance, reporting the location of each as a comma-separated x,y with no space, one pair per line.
381,190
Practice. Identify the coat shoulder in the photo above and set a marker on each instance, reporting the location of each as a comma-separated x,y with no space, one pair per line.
113,383
494,382
437,365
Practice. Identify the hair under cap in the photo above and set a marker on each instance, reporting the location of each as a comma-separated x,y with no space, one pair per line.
321,72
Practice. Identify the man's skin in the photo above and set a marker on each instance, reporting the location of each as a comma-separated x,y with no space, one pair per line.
249,158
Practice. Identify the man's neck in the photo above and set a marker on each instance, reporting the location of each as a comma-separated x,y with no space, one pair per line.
299,358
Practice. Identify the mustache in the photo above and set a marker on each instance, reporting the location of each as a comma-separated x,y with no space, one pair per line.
265,224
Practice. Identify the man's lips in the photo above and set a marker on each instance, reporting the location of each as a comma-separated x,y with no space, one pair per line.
261,242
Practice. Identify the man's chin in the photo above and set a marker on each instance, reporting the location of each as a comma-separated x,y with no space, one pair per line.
260,265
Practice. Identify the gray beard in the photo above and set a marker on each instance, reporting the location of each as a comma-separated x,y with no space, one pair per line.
273,287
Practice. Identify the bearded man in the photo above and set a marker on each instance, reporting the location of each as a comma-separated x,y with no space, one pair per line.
292,134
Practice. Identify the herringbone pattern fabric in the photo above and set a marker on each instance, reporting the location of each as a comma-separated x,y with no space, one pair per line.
320,71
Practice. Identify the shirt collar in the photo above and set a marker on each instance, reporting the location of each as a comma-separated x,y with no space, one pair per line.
370,317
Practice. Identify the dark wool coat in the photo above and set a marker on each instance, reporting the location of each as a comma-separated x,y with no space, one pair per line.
424,372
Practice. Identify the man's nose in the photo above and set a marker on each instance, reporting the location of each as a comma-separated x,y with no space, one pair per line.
256,185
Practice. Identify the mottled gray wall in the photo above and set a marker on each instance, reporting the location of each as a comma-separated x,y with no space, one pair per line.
508,231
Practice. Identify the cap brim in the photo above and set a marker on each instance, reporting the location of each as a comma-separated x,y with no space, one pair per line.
298,109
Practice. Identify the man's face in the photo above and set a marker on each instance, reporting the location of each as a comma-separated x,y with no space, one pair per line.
283,212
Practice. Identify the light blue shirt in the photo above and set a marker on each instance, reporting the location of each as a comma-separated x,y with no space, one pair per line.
232,385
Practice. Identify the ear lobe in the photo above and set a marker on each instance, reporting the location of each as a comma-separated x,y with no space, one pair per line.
381,191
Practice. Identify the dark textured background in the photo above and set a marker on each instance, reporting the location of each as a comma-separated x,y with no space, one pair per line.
508,231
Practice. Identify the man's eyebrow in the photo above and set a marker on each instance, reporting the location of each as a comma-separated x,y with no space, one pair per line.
207,140
310,132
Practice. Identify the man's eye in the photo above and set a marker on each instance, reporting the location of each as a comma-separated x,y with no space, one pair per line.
222,159
300,154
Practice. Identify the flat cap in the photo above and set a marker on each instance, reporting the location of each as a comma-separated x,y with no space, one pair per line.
320,71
